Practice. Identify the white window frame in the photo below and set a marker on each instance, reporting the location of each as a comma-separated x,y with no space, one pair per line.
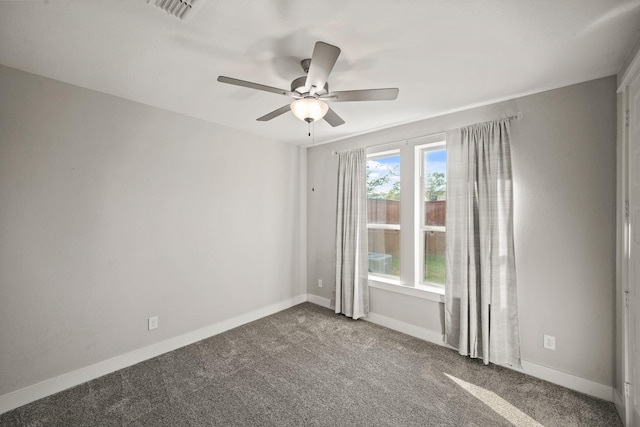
419,205
370,226
410,282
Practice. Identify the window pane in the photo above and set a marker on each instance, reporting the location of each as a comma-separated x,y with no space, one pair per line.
384,252
434,257
383,190
435,186
435,212
383,207
434,196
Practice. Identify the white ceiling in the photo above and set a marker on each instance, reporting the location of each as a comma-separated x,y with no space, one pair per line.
443,55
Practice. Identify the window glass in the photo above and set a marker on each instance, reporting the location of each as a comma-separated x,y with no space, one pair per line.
383,214
434,257
383,189
435,175
434,209
384,252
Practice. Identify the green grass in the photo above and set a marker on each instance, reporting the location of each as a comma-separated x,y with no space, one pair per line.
395,265
434,268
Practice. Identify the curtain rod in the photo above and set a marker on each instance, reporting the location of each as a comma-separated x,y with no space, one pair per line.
516,116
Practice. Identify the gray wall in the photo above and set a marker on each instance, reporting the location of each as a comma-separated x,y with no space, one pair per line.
564,168
112,211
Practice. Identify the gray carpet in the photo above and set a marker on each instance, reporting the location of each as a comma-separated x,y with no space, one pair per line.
306,366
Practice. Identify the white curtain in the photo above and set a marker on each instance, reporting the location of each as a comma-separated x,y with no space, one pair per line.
352,290
481,307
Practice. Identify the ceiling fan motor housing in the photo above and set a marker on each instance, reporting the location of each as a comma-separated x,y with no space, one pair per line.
306,63
298,85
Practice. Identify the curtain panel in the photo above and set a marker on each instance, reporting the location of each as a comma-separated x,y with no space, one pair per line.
481,308
352,289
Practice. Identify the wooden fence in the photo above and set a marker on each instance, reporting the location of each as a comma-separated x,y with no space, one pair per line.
380,211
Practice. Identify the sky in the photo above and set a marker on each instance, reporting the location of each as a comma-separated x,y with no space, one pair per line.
380,166
436,161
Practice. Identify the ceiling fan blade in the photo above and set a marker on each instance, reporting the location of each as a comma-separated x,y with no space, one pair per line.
387,94
251,85
332,118
274,114
322,61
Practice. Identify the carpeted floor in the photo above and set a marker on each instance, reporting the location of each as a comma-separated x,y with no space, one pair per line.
306,366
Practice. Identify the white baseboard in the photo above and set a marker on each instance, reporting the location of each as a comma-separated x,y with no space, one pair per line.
542,372
620,403
564,379
321,301
407,328
48,387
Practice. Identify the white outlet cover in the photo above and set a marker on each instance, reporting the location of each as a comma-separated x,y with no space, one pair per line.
153,322
550,342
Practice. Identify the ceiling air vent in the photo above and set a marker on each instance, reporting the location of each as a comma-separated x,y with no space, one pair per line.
178,8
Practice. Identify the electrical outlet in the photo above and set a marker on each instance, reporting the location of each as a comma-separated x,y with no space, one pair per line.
153,322
319,283
550,342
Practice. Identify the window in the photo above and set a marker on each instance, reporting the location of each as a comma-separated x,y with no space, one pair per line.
383,214
406,223
432,190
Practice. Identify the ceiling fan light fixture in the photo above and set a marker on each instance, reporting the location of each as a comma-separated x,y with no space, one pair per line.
309,109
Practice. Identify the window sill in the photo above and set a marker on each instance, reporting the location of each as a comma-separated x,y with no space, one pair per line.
431,293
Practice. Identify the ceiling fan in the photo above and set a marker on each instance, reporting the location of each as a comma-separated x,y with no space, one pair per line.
311,91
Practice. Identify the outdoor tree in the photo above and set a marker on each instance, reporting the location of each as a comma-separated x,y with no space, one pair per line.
374,186
434,185
394,192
